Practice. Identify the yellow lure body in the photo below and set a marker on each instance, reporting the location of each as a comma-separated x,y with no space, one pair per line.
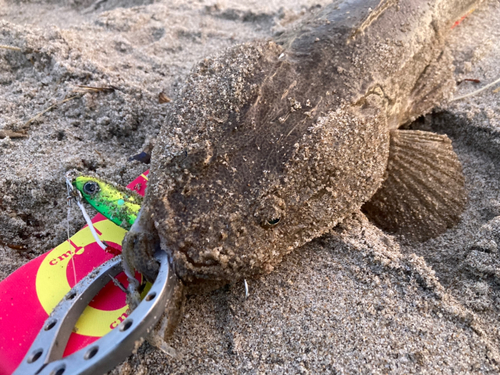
116,203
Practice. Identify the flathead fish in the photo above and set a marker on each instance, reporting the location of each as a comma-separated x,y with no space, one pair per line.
272,143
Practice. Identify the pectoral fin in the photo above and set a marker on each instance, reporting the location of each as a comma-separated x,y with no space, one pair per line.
423,193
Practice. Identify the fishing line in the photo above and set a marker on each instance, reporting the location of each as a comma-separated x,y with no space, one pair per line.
72,193
477,91
91,226
67,232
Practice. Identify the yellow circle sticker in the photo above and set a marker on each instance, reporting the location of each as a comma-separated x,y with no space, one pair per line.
68,263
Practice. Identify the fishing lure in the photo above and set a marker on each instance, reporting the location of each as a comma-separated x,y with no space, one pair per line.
116,203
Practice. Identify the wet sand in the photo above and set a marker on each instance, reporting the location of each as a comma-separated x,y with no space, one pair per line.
354,301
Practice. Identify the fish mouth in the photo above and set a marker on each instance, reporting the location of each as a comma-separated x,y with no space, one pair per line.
239,252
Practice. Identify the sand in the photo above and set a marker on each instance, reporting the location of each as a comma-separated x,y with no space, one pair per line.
354,301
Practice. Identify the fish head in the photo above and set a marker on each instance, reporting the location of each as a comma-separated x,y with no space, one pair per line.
234,209
255,160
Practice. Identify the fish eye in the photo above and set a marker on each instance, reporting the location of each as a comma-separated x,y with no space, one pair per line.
90,188
270,211
272,222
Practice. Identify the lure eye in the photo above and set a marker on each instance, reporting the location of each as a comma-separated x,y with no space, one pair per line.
90,188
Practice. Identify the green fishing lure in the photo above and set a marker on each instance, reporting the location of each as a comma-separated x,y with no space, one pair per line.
118,204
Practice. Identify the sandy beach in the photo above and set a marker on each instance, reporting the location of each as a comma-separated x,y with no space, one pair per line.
356,300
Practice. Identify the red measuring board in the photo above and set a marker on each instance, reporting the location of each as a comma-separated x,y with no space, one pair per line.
29,295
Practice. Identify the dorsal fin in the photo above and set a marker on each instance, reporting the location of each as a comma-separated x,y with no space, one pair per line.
423,193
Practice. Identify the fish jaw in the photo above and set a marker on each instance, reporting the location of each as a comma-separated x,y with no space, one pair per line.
140,244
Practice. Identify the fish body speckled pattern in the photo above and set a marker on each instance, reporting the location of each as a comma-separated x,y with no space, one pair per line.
287,138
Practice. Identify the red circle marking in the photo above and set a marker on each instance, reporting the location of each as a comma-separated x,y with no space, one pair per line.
110,297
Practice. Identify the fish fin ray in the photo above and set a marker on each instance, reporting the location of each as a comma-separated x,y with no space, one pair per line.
423,194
